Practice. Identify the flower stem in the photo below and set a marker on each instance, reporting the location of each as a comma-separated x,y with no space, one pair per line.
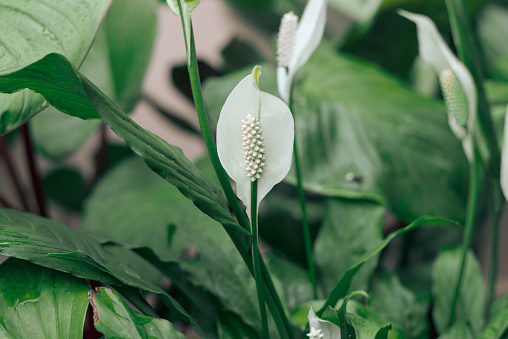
497,207
256,256
273,300
475,181
36,179
305,223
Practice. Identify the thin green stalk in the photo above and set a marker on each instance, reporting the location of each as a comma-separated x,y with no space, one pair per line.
305,223
256,256
273,300
475,173
497,207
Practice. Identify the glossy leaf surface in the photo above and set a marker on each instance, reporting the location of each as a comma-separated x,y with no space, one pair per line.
115,319
64,26
37,302
52,244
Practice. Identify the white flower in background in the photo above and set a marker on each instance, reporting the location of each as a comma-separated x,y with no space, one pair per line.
457,83
322,328
504,158
255,136
296,42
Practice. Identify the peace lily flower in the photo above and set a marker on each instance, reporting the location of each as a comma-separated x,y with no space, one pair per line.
457,83
322,329
296,42
255,136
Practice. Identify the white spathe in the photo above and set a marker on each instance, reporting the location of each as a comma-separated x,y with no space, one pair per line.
278,132
436,52
307,38
326,328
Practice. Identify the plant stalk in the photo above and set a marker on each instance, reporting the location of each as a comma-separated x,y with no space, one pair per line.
34,172
301,196
256,256
273,300
475,179
497,212
9,164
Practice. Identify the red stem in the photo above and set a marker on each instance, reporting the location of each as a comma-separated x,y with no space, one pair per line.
34,173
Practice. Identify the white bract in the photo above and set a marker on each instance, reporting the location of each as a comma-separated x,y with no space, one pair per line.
456,81
296,42
322,328
504,159
255,136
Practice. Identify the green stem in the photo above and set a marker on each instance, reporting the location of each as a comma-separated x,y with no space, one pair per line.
497,207
305,223
475,174
256,256
273,300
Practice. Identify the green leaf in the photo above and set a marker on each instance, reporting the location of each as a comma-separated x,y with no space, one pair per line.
67,187
397,304
498,306
36,302
342,286
121,53
348,231
115,319
497,327
293,281
460,330
131,195
42,27
57,135
366,136
471,299
52,244
116,63
166,160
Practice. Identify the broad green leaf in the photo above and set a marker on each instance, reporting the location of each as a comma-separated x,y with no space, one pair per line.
369,328
398,305
348,231
231,327
114,319
492,27
52,244
365,135
459,330
341,288
64,26
131,197
166,160
471,299
116,64
36,302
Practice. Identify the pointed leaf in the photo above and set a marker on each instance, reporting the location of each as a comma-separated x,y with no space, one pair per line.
61,85
114,319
